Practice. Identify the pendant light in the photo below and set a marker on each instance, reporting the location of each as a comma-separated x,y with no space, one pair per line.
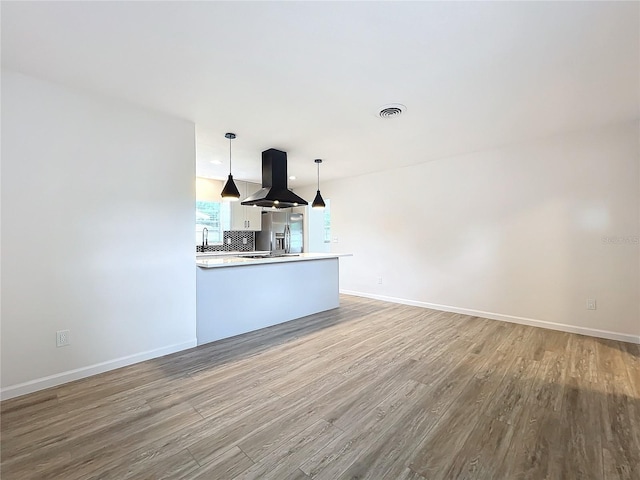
230,192
318,202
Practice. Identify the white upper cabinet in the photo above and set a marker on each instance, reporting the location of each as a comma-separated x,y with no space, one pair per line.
245,217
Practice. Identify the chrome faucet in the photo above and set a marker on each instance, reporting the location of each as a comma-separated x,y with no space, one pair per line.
205,236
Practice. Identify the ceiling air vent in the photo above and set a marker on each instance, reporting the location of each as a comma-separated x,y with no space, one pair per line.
391,110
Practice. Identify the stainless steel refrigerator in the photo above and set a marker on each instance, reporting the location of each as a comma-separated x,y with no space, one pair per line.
281,233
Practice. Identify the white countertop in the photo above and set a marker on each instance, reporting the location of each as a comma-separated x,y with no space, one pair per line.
225,261
223,253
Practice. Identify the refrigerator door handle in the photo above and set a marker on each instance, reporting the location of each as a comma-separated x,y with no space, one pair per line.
287,239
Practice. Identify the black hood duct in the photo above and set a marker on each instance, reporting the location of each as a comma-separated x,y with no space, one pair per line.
274,191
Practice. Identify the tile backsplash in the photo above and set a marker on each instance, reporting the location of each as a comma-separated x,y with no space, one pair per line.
233,241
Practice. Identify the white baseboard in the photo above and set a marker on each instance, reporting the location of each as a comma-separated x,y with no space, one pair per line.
78,373
591,332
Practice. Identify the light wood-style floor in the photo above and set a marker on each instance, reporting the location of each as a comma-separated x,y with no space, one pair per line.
371,390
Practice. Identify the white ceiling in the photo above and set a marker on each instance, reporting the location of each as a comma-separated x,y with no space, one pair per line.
308,77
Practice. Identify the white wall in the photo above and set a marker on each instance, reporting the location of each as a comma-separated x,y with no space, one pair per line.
514,233
97,233
208,189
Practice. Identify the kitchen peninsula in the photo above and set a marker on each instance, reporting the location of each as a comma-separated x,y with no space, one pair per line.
235,295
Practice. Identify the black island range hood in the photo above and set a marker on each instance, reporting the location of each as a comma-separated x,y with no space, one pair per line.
274,191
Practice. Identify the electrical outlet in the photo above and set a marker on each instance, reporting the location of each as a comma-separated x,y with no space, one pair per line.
62,338
335,239
591,303
244,241
379,280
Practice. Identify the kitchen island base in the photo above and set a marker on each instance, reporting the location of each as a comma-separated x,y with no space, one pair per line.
238,299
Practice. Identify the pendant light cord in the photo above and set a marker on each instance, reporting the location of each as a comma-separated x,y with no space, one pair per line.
230,136
318,162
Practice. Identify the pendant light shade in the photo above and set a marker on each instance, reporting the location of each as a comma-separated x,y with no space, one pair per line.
318,202
230,192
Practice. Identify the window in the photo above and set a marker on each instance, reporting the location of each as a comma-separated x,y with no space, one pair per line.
327,221
215,216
